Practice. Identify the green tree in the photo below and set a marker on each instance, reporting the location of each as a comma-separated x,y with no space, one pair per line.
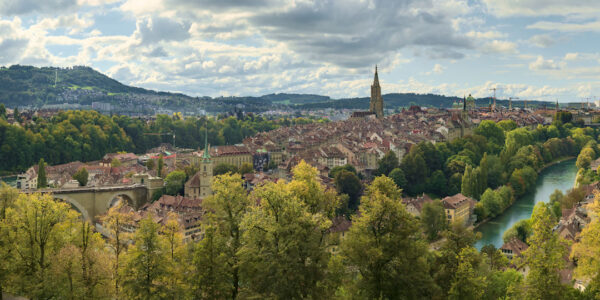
457,237
433,218
81,268
116,221
397,175
150,164
174,183
544,257
469,182
176,256
505,284
8,196
506,194
36,230
246,168
494,258
522,179
284,252
563,117
160,166
115,162
415,170
2,111
17,115
348,183
384,247
493,133
145,272
507,125
81,176
224,168
492,202
583,160
42,182
211,276
520,230
437,183
335,170
556,199
228,205
387,163
467,283
587,251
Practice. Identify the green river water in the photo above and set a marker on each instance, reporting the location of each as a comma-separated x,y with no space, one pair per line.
559,176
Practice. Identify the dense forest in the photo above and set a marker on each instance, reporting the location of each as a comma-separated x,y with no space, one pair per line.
89,135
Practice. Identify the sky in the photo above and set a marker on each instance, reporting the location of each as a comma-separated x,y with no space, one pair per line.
530,49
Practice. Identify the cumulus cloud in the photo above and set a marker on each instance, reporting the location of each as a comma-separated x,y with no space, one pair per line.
544,64
253,47
566,27
156,29
12,41
497,46
542,40
73,22
507,8
486,35
20,7
571,56
353,33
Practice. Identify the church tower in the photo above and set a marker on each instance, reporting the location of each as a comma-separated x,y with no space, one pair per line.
199,186
206,172
376,104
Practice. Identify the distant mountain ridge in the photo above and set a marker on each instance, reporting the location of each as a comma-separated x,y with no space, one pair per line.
38,86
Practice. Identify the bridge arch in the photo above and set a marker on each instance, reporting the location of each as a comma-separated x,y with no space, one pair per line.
112,200
74,203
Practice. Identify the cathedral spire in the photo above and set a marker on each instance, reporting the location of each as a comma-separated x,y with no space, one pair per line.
376,103
206,155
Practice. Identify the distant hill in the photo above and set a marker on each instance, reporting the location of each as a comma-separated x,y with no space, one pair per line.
33,86
398,100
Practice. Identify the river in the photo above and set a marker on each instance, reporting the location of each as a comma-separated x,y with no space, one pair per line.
559,176
11,180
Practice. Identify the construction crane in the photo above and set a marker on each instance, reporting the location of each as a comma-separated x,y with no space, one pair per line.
494,89
510,99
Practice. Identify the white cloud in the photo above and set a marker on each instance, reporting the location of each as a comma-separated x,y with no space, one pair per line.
507,8
20,7
497,46
571,56
486,35
566,27
72,22
544,64
542,40
13,41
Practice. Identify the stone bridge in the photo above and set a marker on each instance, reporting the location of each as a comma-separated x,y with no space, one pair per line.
94,201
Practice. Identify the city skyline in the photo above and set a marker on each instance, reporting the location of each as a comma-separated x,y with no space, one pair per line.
530,49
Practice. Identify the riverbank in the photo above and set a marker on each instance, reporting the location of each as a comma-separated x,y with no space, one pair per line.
558,174
547,165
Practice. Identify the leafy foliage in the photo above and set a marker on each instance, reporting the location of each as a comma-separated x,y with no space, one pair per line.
81,176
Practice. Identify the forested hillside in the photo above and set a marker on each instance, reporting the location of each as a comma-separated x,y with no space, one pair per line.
89,135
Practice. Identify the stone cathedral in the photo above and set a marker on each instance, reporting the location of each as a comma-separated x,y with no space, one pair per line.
376,105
